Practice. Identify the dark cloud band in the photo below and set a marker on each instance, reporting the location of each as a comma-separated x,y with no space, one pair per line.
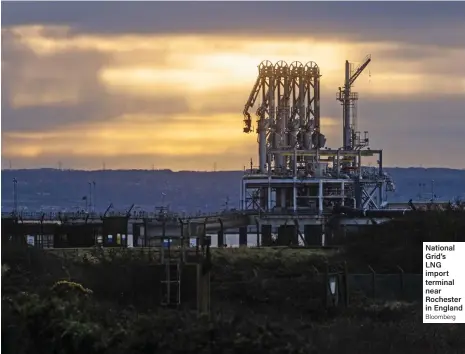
398,21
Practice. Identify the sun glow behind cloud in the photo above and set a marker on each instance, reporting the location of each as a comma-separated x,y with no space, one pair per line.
210,75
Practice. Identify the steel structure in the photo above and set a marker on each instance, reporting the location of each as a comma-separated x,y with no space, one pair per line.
288,113
297,174
351,138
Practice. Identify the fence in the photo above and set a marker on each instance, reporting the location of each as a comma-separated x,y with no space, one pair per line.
400,286
137,214
375,286
358,287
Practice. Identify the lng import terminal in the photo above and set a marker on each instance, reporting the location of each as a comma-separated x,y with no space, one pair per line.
301,193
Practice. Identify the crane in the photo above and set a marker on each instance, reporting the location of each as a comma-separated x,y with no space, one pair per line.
348,98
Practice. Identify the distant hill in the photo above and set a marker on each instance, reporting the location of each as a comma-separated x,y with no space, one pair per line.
185,190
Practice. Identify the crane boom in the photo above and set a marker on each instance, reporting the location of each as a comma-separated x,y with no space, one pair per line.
360,69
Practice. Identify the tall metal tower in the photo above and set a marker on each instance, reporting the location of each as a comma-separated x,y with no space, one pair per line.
288,116
350,136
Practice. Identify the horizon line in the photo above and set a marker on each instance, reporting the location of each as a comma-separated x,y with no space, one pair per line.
200,171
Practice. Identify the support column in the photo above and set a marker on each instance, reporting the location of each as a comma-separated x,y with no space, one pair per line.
342,192
380,163
243,195
282,196
135,234
281,240
358,193
294,197
320,197
257,230
381,188
144,232
243,236
360,164
266,235
220,238
221,234
269,195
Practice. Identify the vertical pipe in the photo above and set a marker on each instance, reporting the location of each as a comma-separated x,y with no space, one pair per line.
343,192
303,126
269,164
285,104
262,131
294,198
294,167
380,162
316,89
320,197
282,196
302,112
272,118
262,143
346,108
269,206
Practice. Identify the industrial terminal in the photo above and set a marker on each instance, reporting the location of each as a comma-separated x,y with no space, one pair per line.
300,192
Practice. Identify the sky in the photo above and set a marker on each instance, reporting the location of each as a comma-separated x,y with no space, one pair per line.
163,84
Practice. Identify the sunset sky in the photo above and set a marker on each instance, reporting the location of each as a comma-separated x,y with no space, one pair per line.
156,83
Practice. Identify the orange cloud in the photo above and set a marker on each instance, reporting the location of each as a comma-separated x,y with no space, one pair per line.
212,74
141,135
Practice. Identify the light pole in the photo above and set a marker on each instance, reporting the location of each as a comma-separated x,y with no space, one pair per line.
15,196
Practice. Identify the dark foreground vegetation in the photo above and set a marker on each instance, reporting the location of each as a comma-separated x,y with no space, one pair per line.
266,301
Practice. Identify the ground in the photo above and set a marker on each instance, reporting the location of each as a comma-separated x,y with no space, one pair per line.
263,301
